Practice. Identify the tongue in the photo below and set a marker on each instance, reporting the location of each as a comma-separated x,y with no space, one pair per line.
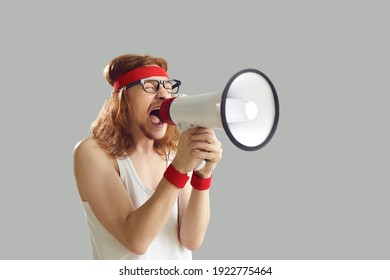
155,119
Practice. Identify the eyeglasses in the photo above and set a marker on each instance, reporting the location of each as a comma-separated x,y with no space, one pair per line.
151,85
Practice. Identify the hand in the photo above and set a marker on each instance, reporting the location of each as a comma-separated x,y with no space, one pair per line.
205,146
184,162
195,145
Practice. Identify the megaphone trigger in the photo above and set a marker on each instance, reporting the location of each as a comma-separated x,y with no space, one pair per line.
183,126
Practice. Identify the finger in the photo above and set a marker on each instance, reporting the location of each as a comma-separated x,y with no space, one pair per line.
205,146
210,156
190,131
206,136
202,130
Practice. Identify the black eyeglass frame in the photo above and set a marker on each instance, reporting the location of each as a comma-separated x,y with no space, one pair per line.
174,89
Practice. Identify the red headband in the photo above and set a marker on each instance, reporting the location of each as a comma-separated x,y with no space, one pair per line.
138,74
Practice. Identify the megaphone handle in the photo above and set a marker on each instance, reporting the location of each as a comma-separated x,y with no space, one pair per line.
183,126
200,165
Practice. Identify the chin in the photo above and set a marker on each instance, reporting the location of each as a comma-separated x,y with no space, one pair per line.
154,133
158,136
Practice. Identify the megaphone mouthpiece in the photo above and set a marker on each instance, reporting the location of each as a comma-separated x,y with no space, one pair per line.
164,115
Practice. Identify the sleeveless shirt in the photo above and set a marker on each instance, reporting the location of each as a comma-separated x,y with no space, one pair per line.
165,246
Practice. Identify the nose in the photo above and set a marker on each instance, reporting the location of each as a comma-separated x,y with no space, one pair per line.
163,94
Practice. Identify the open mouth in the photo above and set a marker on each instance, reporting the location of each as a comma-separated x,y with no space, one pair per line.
155,116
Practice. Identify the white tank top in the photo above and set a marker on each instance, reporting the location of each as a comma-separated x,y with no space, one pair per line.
106,246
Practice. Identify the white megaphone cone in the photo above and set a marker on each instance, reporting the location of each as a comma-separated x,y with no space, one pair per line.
247,109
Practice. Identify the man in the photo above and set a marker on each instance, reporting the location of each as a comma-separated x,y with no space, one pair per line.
135,175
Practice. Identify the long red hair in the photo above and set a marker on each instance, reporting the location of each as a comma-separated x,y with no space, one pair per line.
112,128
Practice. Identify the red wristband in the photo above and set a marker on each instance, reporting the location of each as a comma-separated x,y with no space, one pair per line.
176,178
200,184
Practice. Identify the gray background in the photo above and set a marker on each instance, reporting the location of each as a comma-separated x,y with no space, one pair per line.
318,190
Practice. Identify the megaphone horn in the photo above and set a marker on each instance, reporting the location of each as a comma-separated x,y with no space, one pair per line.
247,109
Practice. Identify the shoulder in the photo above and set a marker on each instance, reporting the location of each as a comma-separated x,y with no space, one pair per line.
87,151
85,144
88,146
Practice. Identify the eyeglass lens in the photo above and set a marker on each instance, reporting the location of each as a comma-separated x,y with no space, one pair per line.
152,85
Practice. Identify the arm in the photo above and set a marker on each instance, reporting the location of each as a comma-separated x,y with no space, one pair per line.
194,209
194,205
102,187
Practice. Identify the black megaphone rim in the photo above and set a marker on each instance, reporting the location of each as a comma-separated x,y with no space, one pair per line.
223,112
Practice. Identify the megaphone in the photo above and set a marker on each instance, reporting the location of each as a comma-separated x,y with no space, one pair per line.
247,110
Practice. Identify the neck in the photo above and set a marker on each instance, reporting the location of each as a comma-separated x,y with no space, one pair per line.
142,144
